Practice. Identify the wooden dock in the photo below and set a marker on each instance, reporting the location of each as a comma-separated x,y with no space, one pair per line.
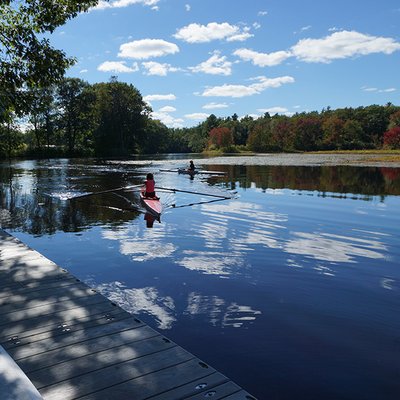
73,343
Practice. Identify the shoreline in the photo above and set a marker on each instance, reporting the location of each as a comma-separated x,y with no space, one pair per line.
373,159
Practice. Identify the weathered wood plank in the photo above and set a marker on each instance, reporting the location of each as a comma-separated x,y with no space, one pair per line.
164,385
91,346
40,298
29,274
7,282
14,317
35,286
95,361
218,392
66,328
32,348
106,377
43,321
241,395
182,390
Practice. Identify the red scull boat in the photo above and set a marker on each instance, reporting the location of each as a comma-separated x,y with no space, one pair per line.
152,204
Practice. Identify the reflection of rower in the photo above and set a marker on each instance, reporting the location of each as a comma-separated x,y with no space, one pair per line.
192,169
150,218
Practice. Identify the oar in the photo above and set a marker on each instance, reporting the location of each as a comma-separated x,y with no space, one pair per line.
106,191
195,204
188,191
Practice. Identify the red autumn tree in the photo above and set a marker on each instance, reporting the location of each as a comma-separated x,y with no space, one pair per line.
391,138
220,138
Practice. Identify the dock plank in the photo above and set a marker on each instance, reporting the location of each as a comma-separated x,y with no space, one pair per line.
59,355
200,383
163,385
109,376
49,296
31,348
218,392
83,365
52,308
66,328
38,322
35,286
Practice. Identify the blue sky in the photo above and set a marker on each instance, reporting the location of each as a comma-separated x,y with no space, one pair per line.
193,58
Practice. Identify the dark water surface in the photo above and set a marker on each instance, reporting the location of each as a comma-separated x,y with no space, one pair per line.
291,288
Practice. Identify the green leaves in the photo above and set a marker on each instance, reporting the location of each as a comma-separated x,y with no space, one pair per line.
27,60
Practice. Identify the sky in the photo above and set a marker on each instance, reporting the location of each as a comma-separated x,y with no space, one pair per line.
193,58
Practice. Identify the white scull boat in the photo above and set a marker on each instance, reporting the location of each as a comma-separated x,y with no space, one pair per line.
193,172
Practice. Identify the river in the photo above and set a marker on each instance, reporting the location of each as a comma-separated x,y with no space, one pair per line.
291,287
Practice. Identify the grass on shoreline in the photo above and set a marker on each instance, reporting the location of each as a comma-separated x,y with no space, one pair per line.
379,155
390,152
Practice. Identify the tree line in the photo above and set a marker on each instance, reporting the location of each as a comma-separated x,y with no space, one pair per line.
75,118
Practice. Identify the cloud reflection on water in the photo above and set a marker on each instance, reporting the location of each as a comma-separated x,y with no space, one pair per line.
149,300
218,312
140,246
142,300
333,248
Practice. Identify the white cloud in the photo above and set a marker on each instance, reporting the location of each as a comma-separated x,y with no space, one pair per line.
102,5
117,66
240,37
342,45
83,71
168,119
262,59
376,90
197,116
275,110
146,48
167,109
215,65
262,13
214,106
195,33
159,97
369,89
155,68
187,7
262,83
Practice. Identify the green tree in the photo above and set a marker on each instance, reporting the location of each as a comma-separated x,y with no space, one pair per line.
76,100
332,128
121,119
155,138
259,139
42,116
27,58
394,119
374,121
11,140
352,136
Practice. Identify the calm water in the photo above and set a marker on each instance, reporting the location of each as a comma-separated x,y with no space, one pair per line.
291,288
